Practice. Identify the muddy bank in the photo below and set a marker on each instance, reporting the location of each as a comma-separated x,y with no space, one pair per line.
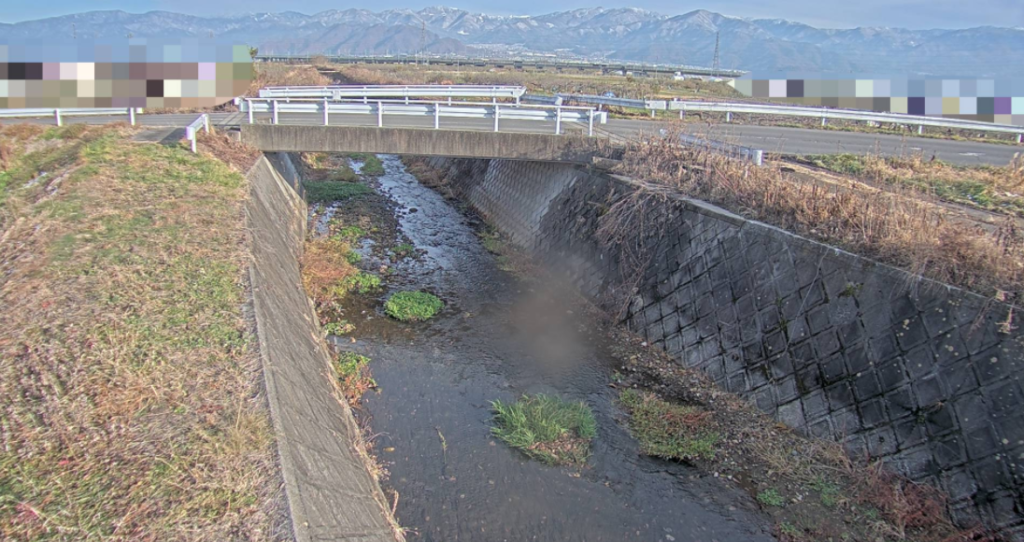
498,338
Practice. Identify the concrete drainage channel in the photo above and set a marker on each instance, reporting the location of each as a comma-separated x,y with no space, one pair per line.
922,379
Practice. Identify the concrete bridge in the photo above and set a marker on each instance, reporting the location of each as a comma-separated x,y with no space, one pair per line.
411,141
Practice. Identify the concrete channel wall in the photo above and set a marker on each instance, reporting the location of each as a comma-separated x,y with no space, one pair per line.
837,346
331,494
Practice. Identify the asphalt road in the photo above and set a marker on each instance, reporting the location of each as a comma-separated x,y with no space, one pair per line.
789,141
793,141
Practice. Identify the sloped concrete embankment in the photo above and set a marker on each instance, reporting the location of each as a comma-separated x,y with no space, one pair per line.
920,374
331,494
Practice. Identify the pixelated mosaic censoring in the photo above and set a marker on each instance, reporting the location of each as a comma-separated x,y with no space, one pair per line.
986,100
129,73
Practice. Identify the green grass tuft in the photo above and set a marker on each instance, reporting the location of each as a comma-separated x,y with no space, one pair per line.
363,283
413,306
669,431
546,427
404,249
371,164
771,497
328,191
353,374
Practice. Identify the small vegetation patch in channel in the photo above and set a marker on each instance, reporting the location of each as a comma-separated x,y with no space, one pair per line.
371,164
353,374
546,428
328,191
670,431
413,306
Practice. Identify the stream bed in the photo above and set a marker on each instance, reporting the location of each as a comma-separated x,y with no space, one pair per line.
500,337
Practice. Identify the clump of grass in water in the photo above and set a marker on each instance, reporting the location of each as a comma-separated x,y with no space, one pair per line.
371,164
338,328
404,249
353,374
327,191
546,428
669,431
413,306
363,283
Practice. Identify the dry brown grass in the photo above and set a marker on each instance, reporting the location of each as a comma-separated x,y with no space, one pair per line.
273,74
130,395
884,225
325,270
994,188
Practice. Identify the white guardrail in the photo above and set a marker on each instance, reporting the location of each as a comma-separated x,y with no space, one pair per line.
59,114
824,113
437,110
338,92
749,154
203,121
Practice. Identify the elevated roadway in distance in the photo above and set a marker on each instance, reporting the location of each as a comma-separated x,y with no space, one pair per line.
603,66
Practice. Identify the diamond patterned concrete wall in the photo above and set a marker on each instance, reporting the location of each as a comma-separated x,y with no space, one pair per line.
834,345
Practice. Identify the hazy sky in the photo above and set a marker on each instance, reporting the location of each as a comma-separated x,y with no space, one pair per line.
822,13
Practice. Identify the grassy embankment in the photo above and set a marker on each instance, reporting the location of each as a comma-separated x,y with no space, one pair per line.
893,226
999,189
130,393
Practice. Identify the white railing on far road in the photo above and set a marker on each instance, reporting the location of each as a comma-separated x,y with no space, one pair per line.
825,113
368,92
59,113
437,110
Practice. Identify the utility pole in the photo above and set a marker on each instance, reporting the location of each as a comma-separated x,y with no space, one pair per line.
423,38
714,63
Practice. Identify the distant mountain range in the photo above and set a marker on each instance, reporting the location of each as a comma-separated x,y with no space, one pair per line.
772,45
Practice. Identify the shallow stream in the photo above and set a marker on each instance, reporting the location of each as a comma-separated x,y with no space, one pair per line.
500,337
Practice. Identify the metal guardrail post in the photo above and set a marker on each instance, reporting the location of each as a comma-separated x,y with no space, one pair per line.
380,115
248,105
558,121
728,116
920,129
437,116
131,116
824,121
497,113
758,157
56,116
206,122
326,108
590,128
273,114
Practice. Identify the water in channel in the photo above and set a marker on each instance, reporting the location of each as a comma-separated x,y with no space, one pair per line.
499,338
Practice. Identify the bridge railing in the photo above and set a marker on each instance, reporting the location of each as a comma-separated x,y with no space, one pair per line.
202,121
59,114
415,108
366,92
